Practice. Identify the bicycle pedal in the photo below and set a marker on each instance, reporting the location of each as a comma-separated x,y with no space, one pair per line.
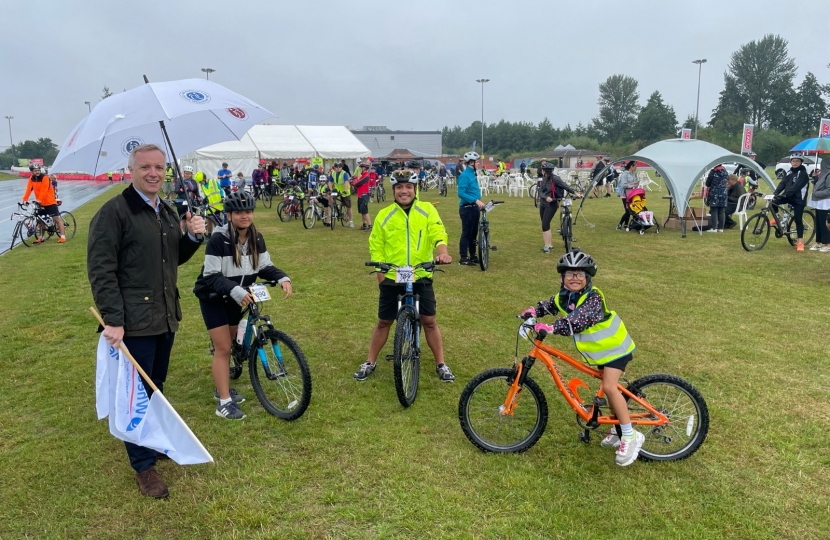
390,357
600,402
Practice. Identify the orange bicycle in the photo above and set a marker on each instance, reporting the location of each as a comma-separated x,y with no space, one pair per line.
668,410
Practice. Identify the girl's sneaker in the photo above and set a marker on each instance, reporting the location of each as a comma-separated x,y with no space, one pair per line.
816,247
629,450
231,411
825,249
611,440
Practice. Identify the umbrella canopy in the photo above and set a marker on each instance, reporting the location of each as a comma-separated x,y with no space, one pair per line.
817,145
195,112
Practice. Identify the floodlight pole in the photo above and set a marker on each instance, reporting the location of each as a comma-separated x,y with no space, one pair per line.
482,81
88,106
697,107
207,72
11,141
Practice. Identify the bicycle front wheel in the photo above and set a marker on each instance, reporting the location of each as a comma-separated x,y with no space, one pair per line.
809,222
755,232
266,198
280,376
480,413
68,224
565,230
343,216
284,211
406,357
483,248
29,232
687,412
309,217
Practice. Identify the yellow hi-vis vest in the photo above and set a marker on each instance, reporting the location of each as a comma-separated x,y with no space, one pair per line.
604,342
214,194
340,185
168,175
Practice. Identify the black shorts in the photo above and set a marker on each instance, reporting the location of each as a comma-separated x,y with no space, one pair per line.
388,301
51,210
218,314
619,363
363,204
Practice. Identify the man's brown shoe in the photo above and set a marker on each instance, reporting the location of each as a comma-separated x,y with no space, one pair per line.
151,484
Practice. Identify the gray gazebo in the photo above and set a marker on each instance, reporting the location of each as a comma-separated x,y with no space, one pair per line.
682,162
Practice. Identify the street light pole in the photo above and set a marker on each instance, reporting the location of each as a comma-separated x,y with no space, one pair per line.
207,72
482,81
697,107
10,118
88,106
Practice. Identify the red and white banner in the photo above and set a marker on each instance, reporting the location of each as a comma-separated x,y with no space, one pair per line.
824,127
746,144
686,133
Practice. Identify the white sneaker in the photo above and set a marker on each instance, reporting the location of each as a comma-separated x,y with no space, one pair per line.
629,450
712,230
351,225
825,249
720,230
816,247
611,440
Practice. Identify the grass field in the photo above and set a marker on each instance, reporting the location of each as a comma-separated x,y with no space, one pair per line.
747,329
7,176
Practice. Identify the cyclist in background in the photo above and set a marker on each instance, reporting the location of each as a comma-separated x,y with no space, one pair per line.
339,180
169,182
186,187
362,184
234,258
600,337
552,188
407,232
44,192
469,206
212,193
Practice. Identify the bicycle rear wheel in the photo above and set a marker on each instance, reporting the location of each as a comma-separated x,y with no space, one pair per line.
29,232
280,376
309,217
68,224
483,247
809,222
480,413
406,357
686,409
565,231
755,232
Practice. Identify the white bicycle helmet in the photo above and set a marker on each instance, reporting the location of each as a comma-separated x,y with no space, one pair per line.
403,177
471,156
187,168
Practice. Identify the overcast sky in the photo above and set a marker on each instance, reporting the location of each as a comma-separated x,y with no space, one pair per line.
401,64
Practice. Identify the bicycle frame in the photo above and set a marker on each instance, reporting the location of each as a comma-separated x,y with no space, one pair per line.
570,391
255,321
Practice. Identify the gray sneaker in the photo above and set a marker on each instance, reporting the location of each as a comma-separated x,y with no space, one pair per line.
231,411
235,396
612,440
444,373
629,450
363,372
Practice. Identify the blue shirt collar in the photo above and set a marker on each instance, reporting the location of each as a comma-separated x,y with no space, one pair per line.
148,201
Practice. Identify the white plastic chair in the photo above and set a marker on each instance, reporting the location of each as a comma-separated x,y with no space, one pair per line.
743,202
483,185
645,181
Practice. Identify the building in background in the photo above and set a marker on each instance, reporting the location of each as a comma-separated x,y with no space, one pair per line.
382,141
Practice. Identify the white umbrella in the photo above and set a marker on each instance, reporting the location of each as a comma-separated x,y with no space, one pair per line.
195,112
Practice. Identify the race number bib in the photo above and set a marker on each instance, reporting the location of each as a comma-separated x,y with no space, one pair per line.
489,206
260,293
405,274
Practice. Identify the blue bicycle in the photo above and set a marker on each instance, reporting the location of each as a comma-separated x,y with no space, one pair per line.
278,369
406,354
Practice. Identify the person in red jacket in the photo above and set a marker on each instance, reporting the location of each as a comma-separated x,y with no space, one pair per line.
362,183
44,192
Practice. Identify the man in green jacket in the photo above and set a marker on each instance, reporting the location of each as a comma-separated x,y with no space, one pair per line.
134,249
407,232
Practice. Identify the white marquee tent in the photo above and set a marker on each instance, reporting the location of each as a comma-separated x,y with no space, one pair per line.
683,162
278,142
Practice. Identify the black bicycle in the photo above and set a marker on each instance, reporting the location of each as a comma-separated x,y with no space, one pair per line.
756,230
484,246
442,186
566,223
278,369
407,350
337,210
264,193
380,191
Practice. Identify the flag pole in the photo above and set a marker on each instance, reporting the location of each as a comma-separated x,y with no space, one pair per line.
127,353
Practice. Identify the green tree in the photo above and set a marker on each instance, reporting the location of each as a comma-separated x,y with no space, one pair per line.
618,108
106,93
811,106
690,122
732,111
762,71
656,121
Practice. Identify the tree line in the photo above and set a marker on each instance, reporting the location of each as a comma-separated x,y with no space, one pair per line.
759,88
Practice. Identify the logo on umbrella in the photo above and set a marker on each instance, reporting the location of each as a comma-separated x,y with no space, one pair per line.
72,138
236,112
130,143
195,96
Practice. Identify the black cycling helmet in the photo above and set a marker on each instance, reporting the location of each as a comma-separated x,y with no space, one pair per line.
238,201
577,260
548,166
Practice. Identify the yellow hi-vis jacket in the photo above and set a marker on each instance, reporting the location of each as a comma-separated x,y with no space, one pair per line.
604,342
213,192
407,239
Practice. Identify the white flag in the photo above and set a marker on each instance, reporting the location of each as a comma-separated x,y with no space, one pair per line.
151,423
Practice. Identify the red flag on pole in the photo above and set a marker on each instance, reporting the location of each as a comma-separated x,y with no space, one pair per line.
686,133
746,145
824,127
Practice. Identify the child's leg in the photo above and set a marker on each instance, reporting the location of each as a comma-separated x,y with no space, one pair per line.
220,368
610,378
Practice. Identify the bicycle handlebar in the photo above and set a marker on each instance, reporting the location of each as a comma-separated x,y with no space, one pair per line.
385,267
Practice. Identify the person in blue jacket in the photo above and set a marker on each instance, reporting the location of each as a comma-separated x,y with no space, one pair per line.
469,206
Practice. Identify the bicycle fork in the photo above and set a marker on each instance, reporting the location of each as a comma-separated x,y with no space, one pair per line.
517,381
